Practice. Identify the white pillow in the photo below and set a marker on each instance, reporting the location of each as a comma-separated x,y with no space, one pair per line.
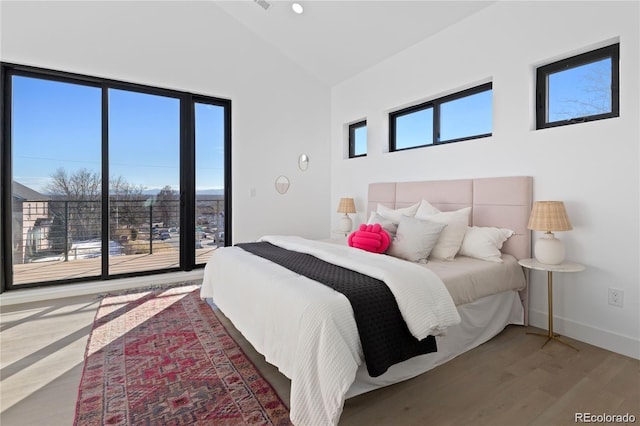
451,238
386,224
397,214
426,209
485,242
415,239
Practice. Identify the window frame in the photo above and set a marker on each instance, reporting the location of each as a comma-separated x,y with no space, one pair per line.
187,162
542,73
435,104
352,138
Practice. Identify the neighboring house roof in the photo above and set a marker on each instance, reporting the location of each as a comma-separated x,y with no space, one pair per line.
25,193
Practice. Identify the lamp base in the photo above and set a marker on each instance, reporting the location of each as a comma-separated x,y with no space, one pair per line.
345,224
549,249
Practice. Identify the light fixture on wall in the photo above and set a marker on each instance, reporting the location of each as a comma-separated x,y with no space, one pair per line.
297,8
303,162
346,206
549,216
282,184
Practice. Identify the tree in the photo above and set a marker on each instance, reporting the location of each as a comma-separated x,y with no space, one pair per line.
83,185
590,94
167,206
126,205
77,197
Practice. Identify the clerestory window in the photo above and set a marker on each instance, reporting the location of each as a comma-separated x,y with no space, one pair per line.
578,89
457,117
358,139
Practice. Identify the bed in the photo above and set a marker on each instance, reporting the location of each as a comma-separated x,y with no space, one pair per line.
308,330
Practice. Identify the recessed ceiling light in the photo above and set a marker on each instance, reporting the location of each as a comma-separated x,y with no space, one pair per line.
297,8
263,3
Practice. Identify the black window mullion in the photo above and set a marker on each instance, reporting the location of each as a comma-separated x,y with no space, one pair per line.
6,208
541,98
105,184
352,141
228,236
615,80
392,133
436,123
187,183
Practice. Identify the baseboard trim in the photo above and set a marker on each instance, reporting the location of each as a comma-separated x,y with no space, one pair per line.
606,339
28,295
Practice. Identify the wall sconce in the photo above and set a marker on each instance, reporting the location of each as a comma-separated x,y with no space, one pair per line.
303,162
282,184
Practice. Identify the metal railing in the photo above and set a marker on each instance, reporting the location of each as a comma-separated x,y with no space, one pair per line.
69,229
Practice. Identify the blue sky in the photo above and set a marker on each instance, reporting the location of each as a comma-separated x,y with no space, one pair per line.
54,125
580,91
360,140
59,125
468,116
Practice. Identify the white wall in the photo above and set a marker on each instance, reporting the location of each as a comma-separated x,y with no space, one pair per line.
592,166
278,111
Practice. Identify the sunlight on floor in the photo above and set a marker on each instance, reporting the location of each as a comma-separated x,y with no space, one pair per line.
36,339
118,306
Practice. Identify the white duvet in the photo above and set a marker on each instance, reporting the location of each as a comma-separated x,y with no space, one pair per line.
307,329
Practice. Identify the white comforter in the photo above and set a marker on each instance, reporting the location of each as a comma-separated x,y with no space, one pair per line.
307,329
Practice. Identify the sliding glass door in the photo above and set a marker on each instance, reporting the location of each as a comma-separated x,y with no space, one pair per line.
108,178
56,183
144,180
210,178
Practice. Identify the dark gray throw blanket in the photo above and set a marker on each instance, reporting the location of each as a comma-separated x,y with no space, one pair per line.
384,335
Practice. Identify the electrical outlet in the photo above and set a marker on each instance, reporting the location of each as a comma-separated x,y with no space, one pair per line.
616,297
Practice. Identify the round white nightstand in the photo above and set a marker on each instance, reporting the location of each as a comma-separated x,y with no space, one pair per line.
562,267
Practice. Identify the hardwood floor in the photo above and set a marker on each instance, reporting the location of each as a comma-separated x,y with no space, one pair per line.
91,268
509,380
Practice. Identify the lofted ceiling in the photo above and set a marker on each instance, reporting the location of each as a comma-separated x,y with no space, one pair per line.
335,40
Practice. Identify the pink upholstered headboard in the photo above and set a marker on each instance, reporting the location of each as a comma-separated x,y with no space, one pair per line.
503,202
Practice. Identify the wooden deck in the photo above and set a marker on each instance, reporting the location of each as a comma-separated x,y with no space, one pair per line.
90,268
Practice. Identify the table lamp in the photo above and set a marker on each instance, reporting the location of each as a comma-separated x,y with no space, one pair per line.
346,206
549,216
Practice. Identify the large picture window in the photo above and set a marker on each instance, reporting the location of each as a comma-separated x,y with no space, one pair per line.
578,89
461,116
105,178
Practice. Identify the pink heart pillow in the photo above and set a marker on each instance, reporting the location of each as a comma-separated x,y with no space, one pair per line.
370,238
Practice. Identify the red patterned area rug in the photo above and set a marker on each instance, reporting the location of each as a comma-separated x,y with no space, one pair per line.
162,357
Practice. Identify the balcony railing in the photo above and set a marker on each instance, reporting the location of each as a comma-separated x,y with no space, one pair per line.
46,232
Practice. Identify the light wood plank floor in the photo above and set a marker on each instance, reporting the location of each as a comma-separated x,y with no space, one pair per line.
508,381
87,268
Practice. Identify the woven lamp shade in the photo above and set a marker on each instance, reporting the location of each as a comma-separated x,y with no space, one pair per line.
346,206
549,216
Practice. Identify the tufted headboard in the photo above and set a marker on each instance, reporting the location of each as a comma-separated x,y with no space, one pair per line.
503,202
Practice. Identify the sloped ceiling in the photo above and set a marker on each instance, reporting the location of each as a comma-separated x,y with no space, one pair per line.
335,40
